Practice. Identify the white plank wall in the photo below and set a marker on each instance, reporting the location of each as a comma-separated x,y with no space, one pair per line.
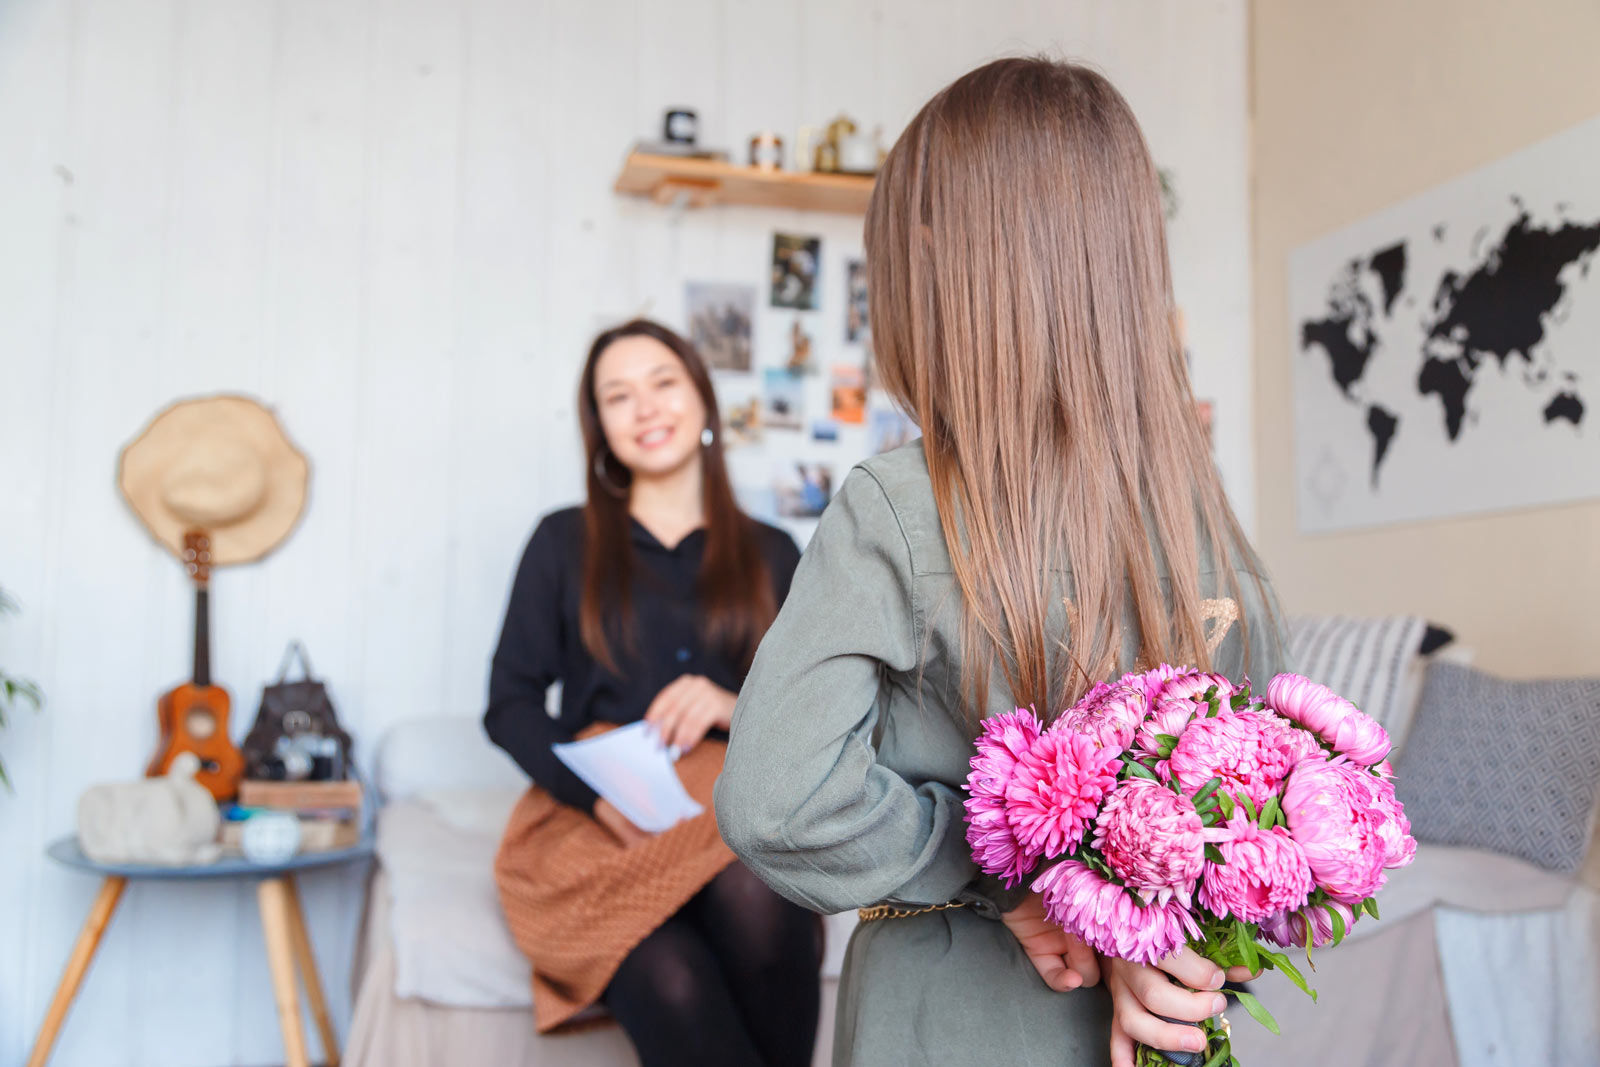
392,221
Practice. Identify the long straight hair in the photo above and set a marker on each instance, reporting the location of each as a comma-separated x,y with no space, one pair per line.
734,586
1022,309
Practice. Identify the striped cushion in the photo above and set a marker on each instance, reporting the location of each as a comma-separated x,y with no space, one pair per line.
1373,663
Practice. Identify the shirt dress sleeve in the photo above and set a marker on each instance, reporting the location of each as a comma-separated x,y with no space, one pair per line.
802,798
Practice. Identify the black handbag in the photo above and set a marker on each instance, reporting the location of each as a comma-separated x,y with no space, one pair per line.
296,735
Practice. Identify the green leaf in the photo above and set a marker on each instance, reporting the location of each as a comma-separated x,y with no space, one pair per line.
1239,700
1139,770
1371,904
1165,743
1269,812
1214,854
1219,1056
1248,947
1227,805
1207,789
1249,808
1257,1012
1338,924
1210,695
1283,964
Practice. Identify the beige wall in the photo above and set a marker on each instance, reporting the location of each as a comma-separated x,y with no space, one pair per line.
1358,104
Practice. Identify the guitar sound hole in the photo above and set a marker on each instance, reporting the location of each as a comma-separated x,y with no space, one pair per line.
200,724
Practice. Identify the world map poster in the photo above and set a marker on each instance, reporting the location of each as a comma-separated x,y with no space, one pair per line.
1447,350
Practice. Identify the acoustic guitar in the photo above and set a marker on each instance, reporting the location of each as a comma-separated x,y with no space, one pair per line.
194,715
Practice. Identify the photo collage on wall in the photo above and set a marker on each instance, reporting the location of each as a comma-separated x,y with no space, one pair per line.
793,371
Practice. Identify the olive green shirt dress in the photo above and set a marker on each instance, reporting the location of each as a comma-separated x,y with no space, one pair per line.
843,785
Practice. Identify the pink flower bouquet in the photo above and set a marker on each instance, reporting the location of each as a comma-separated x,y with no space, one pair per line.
1172,807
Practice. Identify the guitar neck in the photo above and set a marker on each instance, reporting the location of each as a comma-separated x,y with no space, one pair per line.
202,637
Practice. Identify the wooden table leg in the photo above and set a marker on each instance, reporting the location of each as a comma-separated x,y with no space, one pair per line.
94,927
308,975
273,897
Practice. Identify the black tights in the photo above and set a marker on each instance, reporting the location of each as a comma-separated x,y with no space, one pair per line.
731,979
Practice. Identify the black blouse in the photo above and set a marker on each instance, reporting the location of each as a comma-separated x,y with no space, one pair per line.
541,643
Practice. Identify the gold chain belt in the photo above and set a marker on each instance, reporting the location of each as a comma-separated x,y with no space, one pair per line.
889,911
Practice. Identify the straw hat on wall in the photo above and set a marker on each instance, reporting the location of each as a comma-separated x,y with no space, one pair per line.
221,464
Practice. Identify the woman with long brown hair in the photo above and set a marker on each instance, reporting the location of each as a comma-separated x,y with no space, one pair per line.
1060,521
646,603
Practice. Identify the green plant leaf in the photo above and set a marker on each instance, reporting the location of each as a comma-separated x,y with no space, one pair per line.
1249,808
1257,1012
1284,965
1206,790
1338,925
1371,904
1269,812
1214,854
1139,770
1248,947
1227,805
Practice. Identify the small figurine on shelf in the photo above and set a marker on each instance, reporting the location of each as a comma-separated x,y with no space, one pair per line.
840,148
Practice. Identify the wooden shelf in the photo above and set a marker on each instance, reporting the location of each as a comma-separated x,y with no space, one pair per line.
701,182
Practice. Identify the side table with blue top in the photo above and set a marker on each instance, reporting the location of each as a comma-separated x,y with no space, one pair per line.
283,926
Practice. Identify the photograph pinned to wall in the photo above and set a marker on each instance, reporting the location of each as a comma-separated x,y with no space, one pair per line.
889,428
802,488
796,261
856,328
785,400
824,430
741,422
849,392
799,349
720,319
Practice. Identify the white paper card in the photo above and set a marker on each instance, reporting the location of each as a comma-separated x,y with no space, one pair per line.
631,768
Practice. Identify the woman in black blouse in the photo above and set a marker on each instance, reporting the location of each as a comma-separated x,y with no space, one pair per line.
648,602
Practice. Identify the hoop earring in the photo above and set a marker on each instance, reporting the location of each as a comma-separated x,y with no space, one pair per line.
599,469
707,437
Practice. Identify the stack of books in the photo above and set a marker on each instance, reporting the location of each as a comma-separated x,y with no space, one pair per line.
329,812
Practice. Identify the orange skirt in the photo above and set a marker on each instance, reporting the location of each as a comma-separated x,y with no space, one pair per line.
577,901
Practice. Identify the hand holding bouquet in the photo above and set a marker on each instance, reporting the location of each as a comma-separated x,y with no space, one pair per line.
1173,808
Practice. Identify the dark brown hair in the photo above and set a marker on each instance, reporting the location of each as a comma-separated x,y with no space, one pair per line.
1022,310
735,589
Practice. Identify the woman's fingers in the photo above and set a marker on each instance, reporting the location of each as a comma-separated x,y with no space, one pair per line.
1121,1046
1083,961
1163,998
1193,969
1242,974
1141,1026
1053,969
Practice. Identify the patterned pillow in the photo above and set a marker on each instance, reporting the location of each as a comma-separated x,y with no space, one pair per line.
1513,767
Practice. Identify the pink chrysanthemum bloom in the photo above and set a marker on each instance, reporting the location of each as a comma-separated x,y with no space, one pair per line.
1109,919
1192,684
994,844
1337,721
1056,788
1394,829
1170,717
1287,929
1245,748
1152,839
1384,769
1153,682
1330,807
1108,713
1264,871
